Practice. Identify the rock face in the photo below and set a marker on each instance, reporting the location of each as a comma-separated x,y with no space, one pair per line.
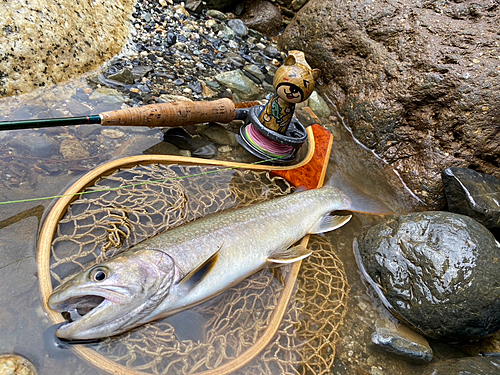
263,16
46,42
473,194
439,273
417,81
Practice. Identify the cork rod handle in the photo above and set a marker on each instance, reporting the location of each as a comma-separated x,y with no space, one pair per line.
172,114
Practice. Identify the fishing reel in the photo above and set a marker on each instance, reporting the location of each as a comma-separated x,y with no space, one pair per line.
267,144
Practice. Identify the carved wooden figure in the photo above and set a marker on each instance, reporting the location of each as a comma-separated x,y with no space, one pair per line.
294,82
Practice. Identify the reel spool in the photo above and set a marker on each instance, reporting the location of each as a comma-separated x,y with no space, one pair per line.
265,143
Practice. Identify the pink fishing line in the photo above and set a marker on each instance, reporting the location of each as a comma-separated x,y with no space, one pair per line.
267,144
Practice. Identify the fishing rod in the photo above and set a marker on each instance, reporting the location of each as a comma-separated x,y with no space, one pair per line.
152,115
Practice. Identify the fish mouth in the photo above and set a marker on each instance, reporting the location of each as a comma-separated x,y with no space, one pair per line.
86,314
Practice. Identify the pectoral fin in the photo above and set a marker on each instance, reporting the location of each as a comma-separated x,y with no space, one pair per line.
330,222
195,276
290,255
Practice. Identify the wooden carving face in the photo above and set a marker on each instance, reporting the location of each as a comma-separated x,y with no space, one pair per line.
294,82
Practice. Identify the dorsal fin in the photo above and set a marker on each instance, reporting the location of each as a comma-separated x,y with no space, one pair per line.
195,276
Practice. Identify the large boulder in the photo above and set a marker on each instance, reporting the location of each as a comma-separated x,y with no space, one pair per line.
416,81
437,272
46,42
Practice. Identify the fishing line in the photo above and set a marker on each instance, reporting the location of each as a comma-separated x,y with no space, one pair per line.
137,184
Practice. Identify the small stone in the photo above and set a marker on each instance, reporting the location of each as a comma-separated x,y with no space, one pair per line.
255,71
239,84
238,27
107,95
112,133
210,24
11,364
125,76
225,149
272,52
318,105
218,134
73,149
76,108
404,342
36,146
297,4
218,15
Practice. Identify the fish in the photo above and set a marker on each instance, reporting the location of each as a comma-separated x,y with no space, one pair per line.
191,263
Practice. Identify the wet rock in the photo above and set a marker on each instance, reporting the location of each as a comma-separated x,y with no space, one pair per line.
240,84
11,364
318,105
41,147
255,71
162,148
465,366
263,16
73,149
409,81
218,15
138,72
473,194
238,27
125,76
218,134
183,140
112,133
76,108
438,272
107,95
404,342
51,42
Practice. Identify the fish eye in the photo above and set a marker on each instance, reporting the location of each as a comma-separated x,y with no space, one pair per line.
99,274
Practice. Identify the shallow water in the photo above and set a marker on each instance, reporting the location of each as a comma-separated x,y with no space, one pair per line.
28,171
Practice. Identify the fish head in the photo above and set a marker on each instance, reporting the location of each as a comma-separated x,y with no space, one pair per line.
111,297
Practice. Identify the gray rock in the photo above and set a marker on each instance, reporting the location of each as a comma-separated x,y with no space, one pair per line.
73,149
218,134
263,16
125,76
41,147
218,15
318,105
414,347
416,83
465,366
473,194
240,84
76,108
438,272
255,71
162,148
238,27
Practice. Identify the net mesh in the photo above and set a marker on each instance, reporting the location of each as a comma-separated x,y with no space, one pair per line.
148,199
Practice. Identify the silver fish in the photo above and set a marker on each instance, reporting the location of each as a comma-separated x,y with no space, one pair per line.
189,264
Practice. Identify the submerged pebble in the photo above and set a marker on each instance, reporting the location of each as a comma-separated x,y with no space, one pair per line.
439,273
11,364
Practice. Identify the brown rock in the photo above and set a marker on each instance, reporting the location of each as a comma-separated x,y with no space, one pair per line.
263,16
416,81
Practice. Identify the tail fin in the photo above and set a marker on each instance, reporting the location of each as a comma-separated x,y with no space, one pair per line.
354,199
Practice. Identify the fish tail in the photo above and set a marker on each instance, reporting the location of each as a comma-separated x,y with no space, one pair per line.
353,198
